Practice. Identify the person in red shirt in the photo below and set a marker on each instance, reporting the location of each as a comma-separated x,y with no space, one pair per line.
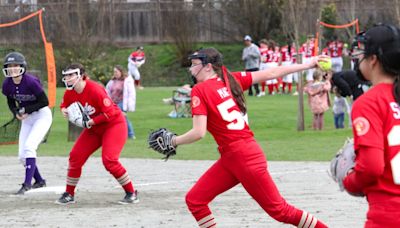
135,60
335,50
107,129
307,51
218,105
376,127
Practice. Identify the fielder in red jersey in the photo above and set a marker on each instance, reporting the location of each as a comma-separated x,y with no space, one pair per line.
218,105
376,127
107,129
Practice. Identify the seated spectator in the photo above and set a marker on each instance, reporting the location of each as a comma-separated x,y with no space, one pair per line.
181,100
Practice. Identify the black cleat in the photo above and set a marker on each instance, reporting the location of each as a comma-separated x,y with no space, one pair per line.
65,199
130,198
23,189
40,184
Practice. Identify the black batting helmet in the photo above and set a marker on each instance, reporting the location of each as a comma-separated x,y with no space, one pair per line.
14,58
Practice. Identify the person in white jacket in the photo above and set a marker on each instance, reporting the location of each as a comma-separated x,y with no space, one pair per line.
122,92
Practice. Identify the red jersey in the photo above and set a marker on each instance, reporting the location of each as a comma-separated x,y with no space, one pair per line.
286,56
137,57
376,124
276,56
95,102
270,58
335,48
225,122
264,55
307,49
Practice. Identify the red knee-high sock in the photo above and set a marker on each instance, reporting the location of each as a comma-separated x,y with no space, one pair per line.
289,87
270,89
305,220
283,86
276,86
263,87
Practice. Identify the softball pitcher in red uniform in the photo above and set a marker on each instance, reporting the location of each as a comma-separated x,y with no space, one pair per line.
218,105
107,129
376,127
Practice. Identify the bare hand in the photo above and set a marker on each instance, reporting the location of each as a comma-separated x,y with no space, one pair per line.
90,123
320,58
21,117
64,112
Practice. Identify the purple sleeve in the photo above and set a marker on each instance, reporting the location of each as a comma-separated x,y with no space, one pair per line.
5,89
35,85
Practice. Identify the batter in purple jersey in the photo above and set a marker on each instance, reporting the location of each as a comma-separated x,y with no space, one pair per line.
28,102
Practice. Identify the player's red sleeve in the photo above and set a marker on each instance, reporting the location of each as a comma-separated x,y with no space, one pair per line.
370,164
198,104
107,110
245,79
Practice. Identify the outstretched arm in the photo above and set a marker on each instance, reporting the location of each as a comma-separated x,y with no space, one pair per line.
281,71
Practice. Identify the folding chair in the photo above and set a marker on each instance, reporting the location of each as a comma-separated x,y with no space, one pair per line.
181,99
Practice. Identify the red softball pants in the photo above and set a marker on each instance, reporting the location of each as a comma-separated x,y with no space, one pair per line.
111,137
242,162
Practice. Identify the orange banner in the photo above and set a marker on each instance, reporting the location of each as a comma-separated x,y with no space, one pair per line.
21,20
353,23
51,74
50,61
340,26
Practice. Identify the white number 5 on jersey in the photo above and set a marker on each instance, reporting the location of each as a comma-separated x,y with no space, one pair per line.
236,119
394,140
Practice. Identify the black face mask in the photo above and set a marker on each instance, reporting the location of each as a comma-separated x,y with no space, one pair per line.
356,68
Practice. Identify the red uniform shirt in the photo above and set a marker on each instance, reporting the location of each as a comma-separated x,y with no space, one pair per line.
276,56
95,102
307,49
137,57
335,48
376,125
264,55
225,122
286,56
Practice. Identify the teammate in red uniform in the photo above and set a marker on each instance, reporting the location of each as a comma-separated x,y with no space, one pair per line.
218,105
107,129
135,60
307,50
335,50
376,127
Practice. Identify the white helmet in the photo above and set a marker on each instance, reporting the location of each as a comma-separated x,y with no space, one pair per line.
69,73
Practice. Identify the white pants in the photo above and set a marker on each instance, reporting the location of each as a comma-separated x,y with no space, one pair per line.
133,70
337,64
272,81
310,72
287,78
33,129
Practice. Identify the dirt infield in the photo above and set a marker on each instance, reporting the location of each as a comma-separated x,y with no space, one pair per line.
162,187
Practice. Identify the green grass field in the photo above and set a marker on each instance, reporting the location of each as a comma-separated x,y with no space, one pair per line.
273,120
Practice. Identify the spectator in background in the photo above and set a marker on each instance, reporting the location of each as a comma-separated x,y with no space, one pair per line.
135,61
340,106
263,62
307,50
251,57
335,51
122,92
318,98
